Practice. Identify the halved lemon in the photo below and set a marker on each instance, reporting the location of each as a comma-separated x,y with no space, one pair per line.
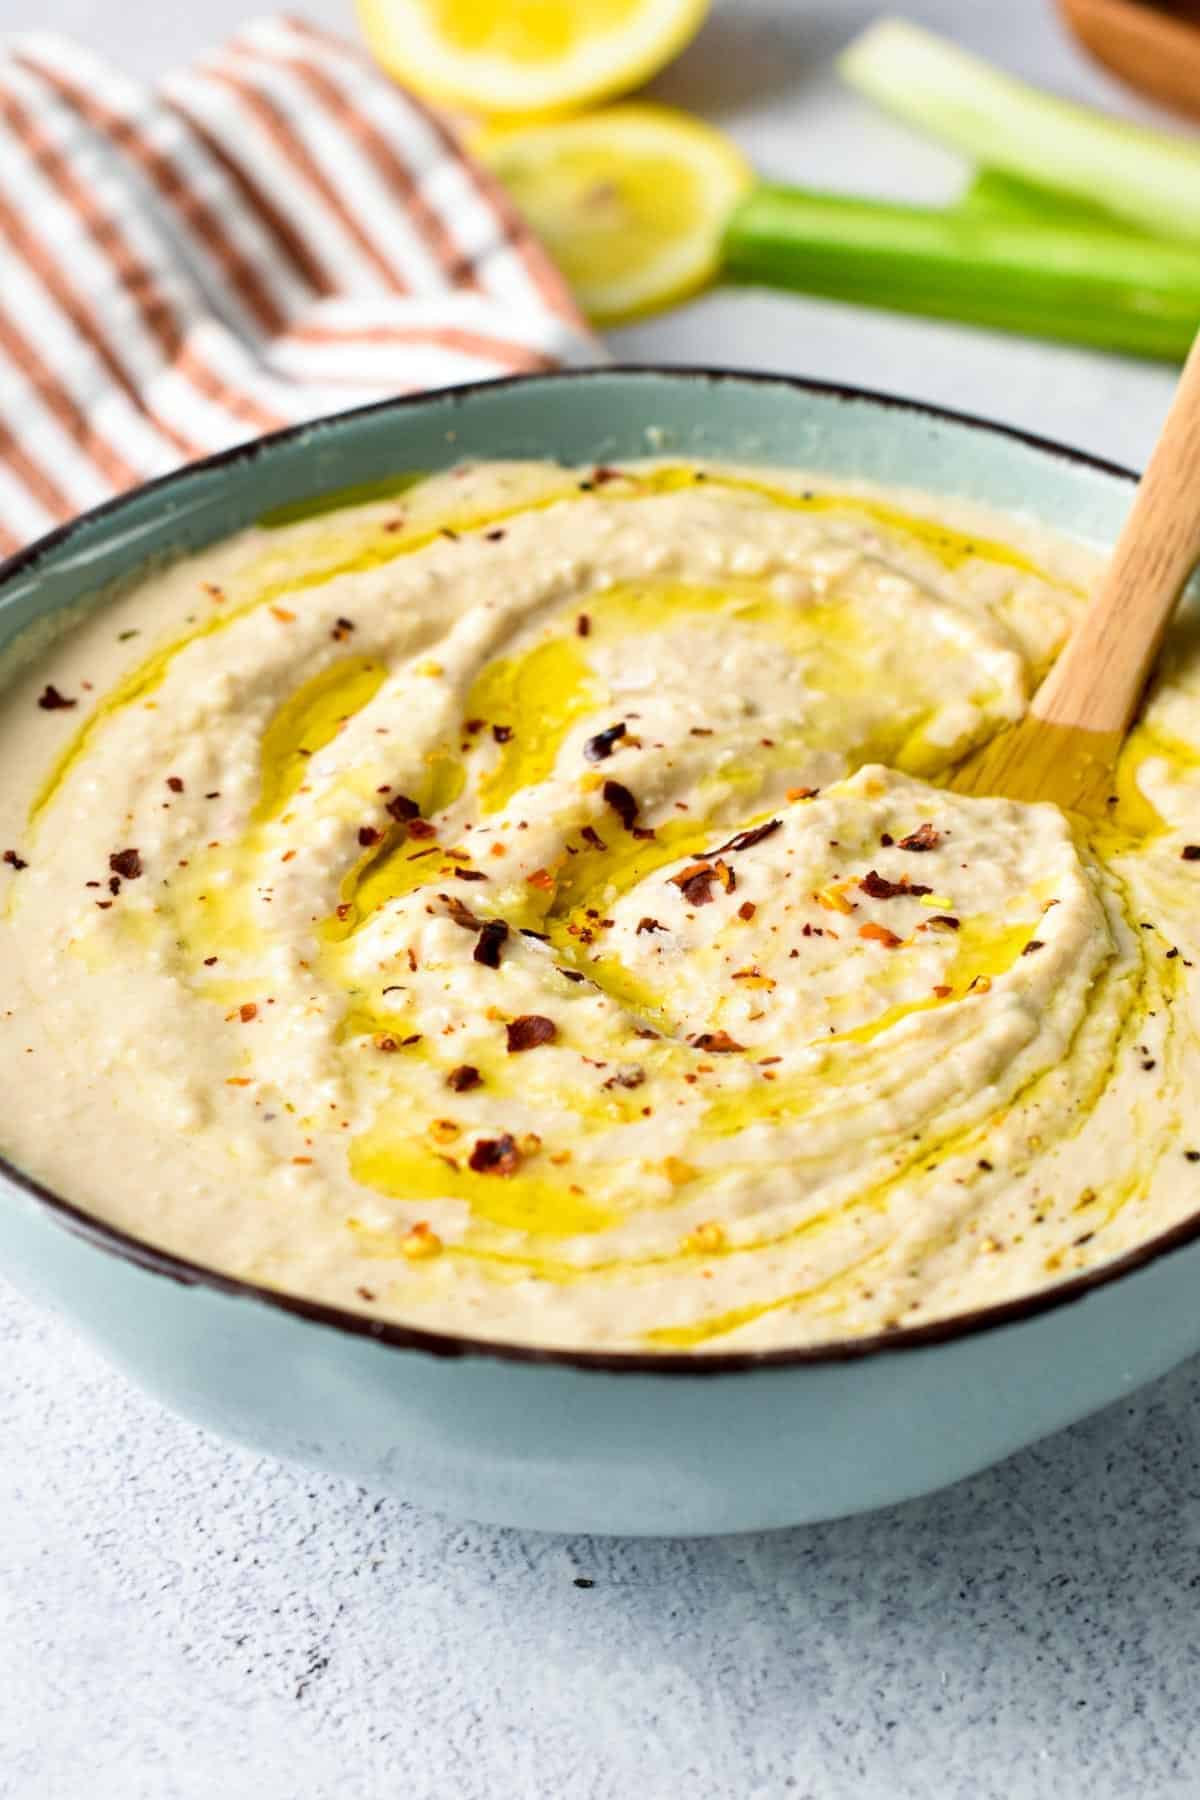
527,57
630,202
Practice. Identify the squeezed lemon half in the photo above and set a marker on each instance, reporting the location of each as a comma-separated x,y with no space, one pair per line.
630,202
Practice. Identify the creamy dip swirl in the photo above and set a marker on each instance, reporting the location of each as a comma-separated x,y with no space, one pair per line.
525,905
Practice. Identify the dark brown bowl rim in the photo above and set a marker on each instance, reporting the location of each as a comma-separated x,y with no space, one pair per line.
143,1255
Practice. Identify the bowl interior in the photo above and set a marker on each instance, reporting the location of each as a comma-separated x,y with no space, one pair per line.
576,417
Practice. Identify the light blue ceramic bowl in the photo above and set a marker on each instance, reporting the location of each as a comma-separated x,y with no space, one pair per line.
571,1442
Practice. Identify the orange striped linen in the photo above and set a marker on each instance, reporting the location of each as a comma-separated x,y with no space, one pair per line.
272,234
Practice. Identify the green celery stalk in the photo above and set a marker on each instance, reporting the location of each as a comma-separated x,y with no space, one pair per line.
1146,177
991,194
984,263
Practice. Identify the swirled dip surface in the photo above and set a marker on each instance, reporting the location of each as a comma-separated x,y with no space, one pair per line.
525,905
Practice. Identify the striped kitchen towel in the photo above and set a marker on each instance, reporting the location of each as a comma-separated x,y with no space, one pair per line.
274,233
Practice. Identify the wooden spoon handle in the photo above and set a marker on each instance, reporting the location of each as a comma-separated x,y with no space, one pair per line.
1098,680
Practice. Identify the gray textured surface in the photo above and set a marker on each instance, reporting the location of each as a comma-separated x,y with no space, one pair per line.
180,1621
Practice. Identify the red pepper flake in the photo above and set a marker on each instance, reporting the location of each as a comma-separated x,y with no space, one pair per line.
343,911
302,1159
470,874
493,537
114,884
747,910
942,922
591,836
802,793
647,924
464,1078
1032,945
368,835
744,839
886,839
209,961
502,733
365,1293
403,810
50,700
923,838
942,992
421,828
879,934
600,747
127,863
14,861
583,625
247,1011
174,783
603,473
629,1075
1189,853
104,905
495,1156
461,913
530,1031
283,615
541,878
715,1043
695,883
880,888
697,889
622,803
725,876
491,941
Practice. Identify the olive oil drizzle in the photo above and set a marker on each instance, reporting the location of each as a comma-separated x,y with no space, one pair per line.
378,545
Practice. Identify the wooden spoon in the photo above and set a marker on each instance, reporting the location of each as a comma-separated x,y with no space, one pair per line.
1065,748
1153,48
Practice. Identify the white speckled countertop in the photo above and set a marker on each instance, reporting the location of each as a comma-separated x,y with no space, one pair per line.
182,1621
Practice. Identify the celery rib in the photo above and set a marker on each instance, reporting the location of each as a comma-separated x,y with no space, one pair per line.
1146,177
986,265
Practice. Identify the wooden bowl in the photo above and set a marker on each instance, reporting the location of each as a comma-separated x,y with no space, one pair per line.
1153,48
